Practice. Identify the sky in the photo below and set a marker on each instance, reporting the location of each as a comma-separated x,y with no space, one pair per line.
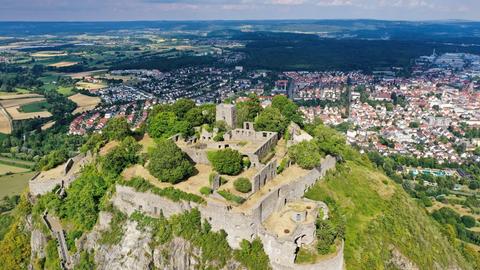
121,10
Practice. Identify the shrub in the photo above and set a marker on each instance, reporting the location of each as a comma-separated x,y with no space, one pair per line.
252,255
168,163
117,128
468,221
306,154
226,161
230,197
205,190
243,185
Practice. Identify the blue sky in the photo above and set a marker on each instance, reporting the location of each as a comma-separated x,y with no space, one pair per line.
88,10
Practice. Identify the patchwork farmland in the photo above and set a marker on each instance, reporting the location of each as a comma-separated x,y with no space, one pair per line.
10,110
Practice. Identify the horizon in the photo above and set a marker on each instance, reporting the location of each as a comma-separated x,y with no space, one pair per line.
186,10
452,20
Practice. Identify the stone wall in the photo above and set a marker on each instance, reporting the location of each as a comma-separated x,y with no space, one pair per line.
267,173
239,225
128,201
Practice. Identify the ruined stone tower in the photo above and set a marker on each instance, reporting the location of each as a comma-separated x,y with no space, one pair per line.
228,114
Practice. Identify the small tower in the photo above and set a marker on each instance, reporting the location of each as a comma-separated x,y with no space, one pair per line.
228,114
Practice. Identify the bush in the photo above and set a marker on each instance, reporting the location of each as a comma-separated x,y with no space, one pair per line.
122,156
230,197
168,163
206,190
468,221
243,185
306,154
117,128
226,161
252,255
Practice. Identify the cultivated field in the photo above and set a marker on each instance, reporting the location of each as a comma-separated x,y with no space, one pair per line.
4,169
81,75
5,123
63,64
46,54
85,103
12,103
90,86
14,184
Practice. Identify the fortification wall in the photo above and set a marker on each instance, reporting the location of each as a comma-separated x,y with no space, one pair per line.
267,173
128,201
239,225
335,262
198,156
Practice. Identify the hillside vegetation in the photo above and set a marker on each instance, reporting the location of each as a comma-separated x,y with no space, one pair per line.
385,227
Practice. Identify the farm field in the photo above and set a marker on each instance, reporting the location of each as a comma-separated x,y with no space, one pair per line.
4,159
85,103
66,91
47,54
5,124
14,184
4,169
80,75
34,107
90,86
13,104
63,64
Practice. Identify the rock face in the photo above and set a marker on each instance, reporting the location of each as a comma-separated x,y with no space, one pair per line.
134,251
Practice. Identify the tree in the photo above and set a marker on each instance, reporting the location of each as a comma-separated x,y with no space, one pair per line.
329,141
288,109
248,110
166,124
226,161
243,185
252,255
182,106
271,119
195,116
122,156
468,221
306,154
168,163
117,128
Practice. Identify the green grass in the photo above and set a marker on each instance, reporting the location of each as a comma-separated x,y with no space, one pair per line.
66,91
35,107
14,184
381,217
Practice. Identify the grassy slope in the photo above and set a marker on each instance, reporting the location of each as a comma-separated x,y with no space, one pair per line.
380,216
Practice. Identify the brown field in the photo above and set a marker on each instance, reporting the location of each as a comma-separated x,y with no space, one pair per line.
17,115
85,103
5,124
63,64
12,104
90,86
17,102
46,54
48,125
13,95
81,75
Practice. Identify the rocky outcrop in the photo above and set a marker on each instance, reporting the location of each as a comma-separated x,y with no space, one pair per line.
135,250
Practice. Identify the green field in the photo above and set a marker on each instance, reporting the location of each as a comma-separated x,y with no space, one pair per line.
14,184
35,107
66,91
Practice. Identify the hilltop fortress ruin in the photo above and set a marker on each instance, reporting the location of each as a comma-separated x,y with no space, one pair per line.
273,211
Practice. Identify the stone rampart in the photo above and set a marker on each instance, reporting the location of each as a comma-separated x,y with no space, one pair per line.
267,173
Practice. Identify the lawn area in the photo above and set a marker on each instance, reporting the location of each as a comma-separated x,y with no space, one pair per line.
381,217
35,107
8,168
14,184
66,91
